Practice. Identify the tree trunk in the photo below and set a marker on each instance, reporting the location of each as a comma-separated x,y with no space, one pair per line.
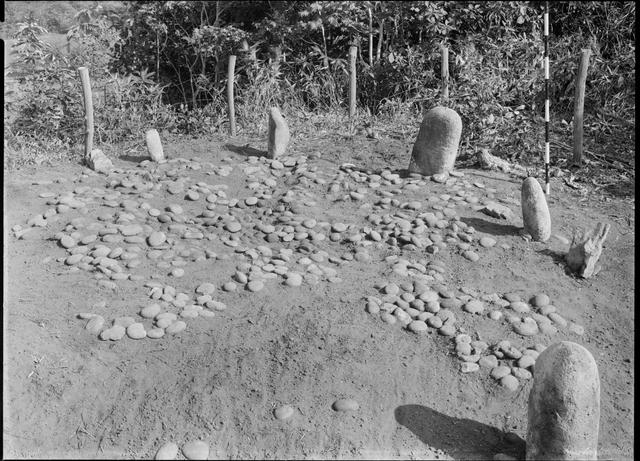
578,110
380,38
370,37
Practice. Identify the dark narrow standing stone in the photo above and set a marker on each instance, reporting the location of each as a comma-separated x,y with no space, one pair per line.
436,147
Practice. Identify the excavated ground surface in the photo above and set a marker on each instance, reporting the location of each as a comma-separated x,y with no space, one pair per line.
70,394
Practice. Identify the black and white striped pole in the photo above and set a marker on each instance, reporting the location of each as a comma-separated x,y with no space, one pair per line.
546,98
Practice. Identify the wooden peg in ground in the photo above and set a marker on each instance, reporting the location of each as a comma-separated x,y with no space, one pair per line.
585,250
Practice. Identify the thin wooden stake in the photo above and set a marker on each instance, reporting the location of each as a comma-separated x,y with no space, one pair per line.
444,72
578,108
230,79
353,51
88,111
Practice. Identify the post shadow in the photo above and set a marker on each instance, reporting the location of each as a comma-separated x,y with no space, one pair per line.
492,228
460,438
247,151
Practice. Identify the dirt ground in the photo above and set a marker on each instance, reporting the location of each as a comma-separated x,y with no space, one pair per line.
68,394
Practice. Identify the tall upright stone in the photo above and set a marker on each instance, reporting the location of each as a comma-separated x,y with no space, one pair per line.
154,146
436,146
535,212
564,405
278,134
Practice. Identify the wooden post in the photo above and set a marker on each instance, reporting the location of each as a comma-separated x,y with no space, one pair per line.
353,51
88,111
380,36
370,36
578,108
444,72
230,78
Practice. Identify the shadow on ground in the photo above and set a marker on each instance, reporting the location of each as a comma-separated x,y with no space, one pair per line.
492,228
460,438
134,158
247,151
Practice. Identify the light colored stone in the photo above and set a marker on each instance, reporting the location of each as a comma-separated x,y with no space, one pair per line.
167,451
196,449
176,327
278,134
154,146
136,331
284,412
564,405
345,405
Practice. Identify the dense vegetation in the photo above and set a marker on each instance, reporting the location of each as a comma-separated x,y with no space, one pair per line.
163,64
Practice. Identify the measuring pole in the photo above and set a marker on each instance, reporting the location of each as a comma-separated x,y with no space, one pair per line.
546,98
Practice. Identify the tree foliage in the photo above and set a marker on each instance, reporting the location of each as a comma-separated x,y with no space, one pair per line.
173,55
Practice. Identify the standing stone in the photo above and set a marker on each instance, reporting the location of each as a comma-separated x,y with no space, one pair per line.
278,134
154,146
564,405
99,162
436,147
535,212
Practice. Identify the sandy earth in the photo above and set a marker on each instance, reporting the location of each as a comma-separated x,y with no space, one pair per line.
68,394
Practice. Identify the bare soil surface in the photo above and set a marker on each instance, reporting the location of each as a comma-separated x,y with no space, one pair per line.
69,394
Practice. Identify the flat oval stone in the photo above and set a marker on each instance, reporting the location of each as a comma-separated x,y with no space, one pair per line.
469,367
345,405
167,451
283,412
196,449
418,326
151,311
448,329
475,306
206,288
293,279
520,307
155,333
176,327
95,324
255,285
136,331
388,318
500,371
526,328
67,242
434,322
510,382
540,300
233,226
156,238
471,255
487,242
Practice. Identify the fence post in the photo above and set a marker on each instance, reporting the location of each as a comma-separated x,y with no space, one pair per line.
88,111
230,79
444,72
578,108
353,51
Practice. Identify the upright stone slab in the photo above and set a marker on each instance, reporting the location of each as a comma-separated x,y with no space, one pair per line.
154,146
436,147
278,134
535,213
564,405
99,162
